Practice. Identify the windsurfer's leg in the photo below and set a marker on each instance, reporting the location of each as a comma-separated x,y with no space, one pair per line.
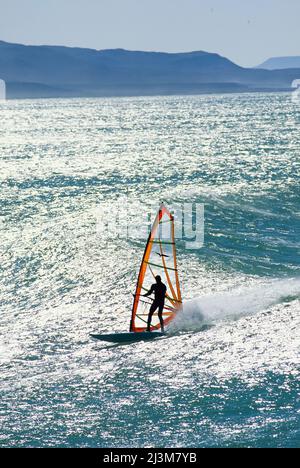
151,312
160,312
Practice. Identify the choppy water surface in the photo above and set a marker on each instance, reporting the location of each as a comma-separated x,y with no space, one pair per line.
229,373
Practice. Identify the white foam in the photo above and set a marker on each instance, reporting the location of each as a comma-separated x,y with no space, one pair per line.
234,304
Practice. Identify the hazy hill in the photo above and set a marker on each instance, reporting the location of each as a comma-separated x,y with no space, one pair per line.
279,63
48,71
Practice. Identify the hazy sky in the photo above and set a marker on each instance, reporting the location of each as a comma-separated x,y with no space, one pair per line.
246,31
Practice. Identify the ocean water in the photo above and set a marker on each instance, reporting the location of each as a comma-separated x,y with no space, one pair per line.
228,373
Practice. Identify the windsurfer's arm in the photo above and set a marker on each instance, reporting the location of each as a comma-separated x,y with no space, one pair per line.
149,292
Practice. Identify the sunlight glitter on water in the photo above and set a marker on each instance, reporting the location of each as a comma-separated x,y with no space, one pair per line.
228,375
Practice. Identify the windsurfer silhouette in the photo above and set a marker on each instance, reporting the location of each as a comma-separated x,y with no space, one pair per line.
159,289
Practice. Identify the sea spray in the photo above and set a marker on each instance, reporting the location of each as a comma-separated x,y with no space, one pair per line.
234,304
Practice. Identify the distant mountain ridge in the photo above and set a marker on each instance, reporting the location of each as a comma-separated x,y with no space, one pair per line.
57,71
280,63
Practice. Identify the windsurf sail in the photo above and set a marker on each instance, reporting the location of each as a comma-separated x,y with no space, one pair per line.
159,259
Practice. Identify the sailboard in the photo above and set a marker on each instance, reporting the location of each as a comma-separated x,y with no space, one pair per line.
128,337
159,259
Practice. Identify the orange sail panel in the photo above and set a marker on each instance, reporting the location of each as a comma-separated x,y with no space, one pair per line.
159,259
